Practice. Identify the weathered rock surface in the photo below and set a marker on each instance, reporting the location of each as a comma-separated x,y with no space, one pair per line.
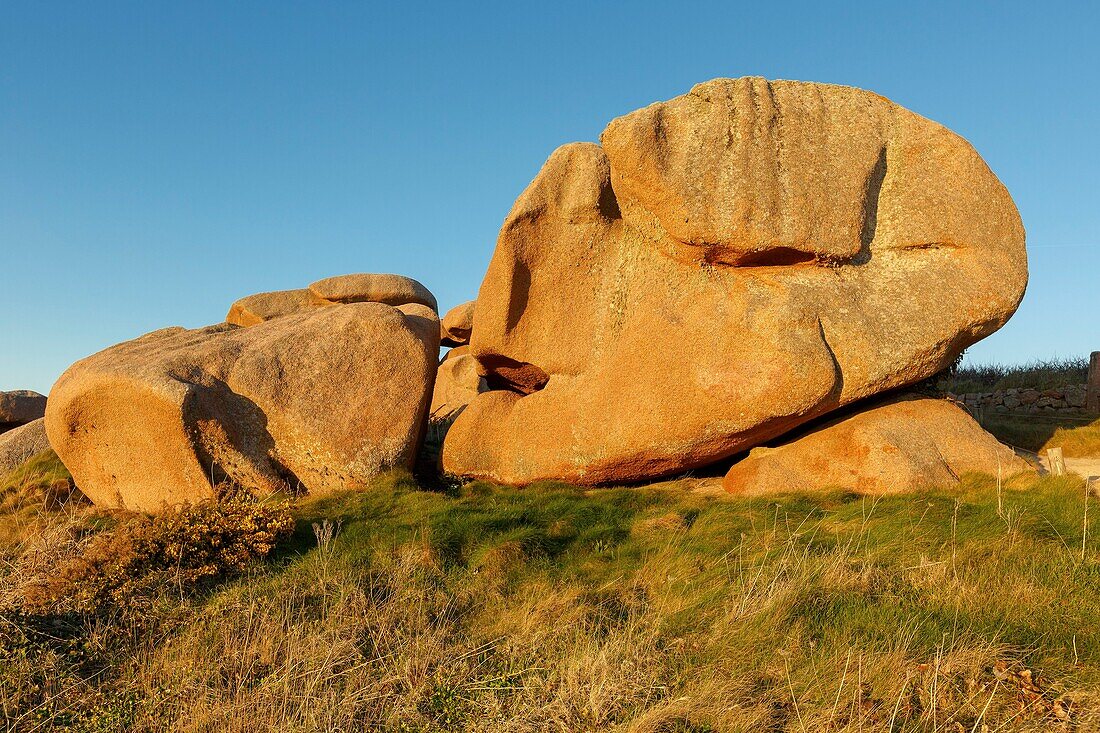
371,288
253,309
728,265
316,401
457,324
457,383
22,443
20,407
358,288
888,449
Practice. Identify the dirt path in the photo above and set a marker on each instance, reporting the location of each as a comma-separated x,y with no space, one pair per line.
1084,467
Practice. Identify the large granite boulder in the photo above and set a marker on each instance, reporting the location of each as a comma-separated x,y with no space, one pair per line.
727,266
20,407
894,448
315,401
21,444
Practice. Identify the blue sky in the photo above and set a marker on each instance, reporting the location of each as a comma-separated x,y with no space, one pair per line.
159,160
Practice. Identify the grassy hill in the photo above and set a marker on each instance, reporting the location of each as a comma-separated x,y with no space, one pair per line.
482,608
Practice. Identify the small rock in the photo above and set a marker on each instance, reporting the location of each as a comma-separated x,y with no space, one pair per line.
21,444
392,290
457,325
262,307
20,407
457,383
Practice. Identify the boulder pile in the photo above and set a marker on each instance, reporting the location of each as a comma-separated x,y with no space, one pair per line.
459,379
720,270
392,290
317,399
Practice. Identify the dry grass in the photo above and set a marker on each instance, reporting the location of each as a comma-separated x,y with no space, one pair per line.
651,609
41,483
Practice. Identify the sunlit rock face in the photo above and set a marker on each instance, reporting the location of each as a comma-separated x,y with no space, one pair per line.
899,446
723,267
315,401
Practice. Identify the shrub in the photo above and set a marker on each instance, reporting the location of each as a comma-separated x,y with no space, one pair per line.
182,550
1039,374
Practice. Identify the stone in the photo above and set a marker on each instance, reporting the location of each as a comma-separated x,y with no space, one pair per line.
372,288
456,326
893,448
21,444
725,267
1011,403
312,402
360,288
20,407
1029,396
457,383
1092,384
1076,396
253,309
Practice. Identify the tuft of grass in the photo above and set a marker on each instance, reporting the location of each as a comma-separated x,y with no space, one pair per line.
1039,374
487,608
24,484
42,482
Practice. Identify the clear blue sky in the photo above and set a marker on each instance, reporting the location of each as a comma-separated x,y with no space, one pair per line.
159,160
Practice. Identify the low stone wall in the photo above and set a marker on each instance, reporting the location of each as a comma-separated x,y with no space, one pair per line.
1069,399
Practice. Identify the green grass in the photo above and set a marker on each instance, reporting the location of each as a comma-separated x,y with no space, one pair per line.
36,474
23,492
642,609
